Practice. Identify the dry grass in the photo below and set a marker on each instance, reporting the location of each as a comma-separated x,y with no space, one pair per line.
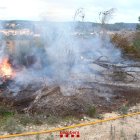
121,129
129,44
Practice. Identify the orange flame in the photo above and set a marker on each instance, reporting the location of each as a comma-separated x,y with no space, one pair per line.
6,69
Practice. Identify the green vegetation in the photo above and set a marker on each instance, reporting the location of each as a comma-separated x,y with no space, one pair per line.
11,126
129,48
8,122
123,43
124,110
53,120
5,112
26,119
136,41
91,112
138,25
137,44
13,122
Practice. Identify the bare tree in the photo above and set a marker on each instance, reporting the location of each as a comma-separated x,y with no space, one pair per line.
80,13
105,16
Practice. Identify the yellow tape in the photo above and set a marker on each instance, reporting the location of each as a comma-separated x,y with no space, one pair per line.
68,127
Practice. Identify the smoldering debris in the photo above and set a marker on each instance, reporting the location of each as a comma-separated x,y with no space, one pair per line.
64,73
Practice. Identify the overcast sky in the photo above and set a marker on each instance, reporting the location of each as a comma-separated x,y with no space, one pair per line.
63,10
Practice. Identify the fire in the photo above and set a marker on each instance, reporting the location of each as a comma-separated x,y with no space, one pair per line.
6,69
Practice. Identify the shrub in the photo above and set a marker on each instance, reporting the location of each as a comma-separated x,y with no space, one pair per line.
6,112
128,48
53,120
91,112
26,119
11,126
124,110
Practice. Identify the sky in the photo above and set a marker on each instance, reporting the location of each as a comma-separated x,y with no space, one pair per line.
64,10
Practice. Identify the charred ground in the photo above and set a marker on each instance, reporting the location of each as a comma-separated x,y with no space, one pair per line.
106,86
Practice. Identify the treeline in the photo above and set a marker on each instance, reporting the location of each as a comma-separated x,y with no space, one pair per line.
87,26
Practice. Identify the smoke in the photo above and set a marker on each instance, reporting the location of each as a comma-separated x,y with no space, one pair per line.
59,54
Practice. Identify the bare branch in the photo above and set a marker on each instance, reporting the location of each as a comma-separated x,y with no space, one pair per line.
80,13
105,16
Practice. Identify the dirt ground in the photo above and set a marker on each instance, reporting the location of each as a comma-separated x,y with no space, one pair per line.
121,129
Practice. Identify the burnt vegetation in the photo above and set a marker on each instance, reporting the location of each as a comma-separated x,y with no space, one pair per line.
102,83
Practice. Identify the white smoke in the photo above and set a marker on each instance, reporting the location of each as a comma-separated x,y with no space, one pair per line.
61,55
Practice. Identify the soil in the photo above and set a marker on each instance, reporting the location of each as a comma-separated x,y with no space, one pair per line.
105,98
72,97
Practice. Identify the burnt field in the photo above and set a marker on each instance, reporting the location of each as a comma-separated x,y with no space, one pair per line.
69,98
62,73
